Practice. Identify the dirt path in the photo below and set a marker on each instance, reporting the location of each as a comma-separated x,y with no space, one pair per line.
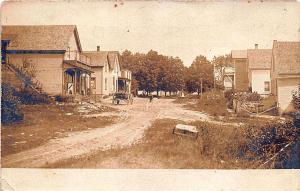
134,119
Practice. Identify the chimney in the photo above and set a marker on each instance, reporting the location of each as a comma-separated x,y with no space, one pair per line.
98,48
256,46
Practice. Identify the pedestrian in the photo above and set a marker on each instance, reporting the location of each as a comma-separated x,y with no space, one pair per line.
150,98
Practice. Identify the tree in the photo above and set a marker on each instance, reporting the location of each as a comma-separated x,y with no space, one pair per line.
220,62
199,76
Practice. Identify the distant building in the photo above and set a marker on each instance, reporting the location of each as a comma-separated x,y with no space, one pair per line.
228,77
259,65
106,68
52,53
285,73
240,63
124,81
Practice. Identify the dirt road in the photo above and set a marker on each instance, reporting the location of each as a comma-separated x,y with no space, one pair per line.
133,120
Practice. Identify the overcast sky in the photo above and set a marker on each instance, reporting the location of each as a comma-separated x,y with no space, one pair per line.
171,28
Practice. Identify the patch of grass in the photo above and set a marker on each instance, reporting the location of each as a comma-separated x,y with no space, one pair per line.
221,147
44,122
213,103
162,149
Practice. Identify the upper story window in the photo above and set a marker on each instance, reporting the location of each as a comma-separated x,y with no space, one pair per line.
267,86
105,84
105,67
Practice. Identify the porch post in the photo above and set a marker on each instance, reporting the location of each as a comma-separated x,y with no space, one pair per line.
63,81
75,82
85,84
80,83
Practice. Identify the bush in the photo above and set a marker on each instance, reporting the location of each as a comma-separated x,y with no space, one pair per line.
29,97
253,97
229,95
10,111
271,139
245,96
296,100
61,98
212,103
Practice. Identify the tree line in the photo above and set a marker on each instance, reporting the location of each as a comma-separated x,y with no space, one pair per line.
156,72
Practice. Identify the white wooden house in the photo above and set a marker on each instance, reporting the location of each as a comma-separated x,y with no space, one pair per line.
285,73
106,68
259,64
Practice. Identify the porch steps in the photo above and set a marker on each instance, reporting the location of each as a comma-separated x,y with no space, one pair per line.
27,80
19,78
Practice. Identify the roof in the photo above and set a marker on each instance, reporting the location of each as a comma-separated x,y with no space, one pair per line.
259,58
39,37
229,70
286,57
98,58
239,53
112,56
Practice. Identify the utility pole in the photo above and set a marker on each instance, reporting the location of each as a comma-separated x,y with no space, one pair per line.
214,77
201,87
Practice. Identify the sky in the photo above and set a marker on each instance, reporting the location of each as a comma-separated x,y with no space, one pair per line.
183,29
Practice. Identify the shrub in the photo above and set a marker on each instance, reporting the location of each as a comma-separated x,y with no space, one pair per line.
229,95
250,97
296,100
271,139
10,111
29,97
212,103
61,98
253,97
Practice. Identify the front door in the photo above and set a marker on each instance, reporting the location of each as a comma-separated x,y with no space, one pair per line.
93,85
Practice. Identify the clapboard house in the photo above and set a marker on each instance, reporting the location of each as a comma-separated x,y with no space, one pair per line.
51,53
259,65
285,73
240,63
106,71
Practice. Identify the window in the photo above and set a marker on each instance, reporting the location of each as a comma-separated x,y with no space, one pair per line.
267,86
114,85
105,84
93,83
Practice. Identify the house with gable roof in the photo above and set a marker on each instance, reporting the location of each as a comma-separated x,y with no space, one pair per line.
285,73
52,53
240,63
259,65
106,67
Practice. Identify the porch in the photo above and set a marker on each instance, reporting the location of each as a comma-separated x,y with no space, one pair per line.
124,82
76,80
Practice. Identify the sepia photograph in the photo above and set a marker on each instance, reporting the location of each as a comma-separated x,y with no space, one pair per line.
190,85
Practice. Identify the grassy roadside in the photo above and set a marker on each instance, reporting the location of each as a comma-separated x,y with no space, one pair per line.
216,147
212,103
44,122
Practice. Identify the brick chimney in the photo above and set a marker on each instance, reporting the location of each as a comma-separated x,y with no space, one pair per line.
98,48
256,46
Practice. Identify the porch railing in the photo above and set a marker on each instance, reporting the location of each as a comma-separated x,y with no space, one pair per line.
75,55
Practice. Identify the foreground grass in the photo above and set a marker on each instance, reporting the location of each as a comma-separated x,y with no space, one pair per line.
216,147
213,103
44,122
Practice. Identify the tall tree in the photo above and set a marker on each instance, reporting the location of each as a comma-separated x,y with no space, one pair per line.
220,62
199,76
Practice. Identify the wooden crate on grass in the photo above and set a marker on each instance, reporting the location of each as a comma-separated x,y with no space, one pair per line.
186,130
